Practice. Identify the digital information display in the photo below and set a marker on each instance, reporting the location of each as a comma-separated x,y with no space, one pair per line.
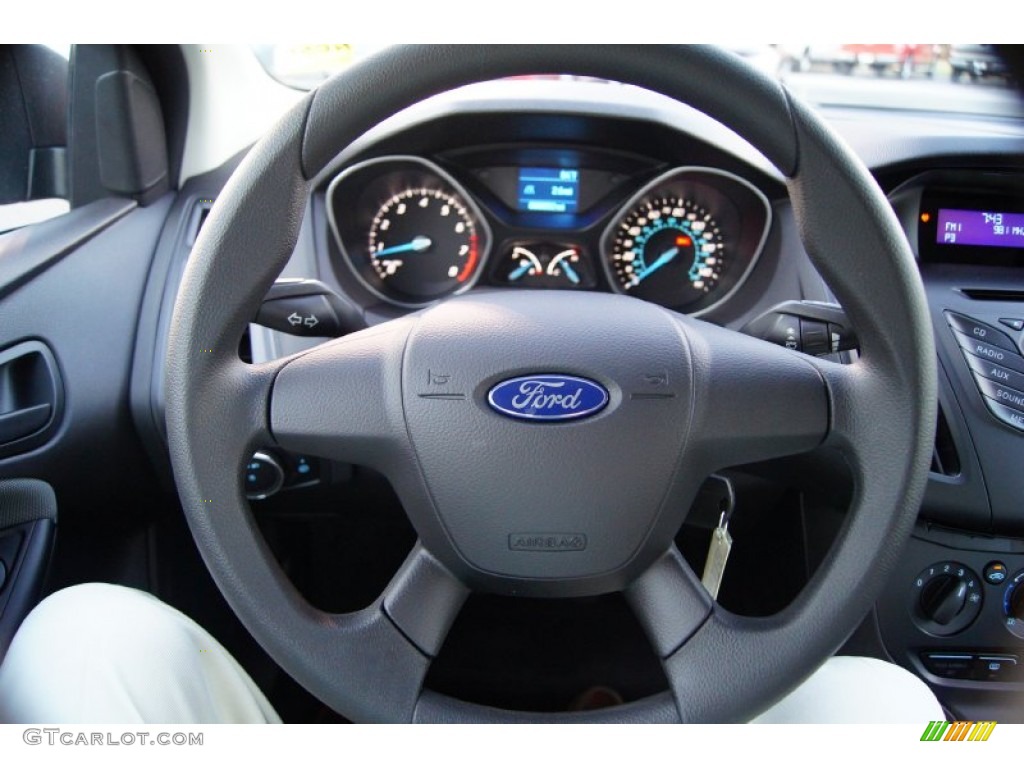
549,190
962,227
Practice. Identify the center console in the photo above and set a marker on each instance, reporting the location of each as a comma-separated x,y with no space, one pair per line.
954,612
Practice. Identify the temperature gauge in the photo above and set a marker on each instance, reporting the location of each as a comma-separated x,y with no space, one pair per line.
545,265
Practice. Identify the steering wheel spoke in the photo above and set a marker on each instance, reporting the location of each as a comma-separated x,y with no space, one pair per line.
753,401
670,602
856,394
424,581
343,400
369,654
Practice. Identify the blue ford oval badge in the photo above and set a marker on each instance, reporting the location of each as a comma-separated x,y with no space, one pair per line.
547,397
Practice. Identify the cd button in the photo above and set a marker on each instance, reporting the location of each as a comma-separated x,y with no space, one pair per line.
976,329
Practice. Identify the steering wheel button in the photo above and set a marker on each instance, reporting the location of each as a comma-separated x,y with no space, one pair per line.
976,329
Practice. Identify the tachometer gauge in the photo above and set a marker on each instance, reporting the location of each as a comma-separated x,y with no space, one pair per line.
668,250
423,244
409,233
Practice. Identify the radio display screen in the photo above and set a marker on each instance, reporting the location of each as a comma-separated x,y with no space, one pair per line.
956,226
971,226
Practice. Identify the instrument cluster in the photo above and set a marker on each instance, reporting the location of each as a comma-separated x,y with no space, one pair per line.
413,232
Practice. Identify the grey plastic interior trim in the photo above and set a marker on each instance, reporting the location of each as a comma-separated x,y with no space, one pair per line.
26,252
131,144
561,97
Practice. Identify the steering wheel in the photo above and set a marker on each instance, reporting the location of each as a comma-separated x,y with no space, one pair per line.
581,507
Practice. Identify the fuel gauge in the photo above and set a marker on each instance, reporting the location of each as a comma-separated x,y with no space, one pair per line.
545,265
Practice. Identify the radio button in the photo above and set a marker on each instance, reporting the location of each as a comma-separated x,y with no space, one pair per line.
988,352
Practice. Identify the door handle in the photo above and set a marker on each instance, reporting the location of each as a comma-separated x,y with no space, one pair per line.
31,396
23,422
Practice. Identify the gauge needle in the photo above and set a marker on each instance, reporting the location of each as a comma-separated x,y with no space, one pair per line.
416,244
657,264
519,271
570,272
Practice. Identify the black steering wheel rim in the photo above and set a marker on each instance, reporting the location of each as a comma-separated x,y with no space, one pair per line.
369,665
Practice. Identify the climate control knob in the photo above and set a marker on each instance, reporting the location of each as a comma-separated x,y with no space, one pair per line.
943,597
1013,605
947,598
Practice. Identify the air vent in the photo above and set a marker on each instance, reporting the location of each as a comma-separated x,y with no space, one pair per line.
245,347
944,457
993,294
198,218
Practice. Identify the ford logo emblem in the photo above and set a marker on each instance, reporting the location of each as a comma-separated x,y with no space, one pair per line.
547,397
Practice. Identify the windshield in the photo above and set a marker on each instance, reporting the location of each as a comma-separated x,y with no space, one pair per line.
939,77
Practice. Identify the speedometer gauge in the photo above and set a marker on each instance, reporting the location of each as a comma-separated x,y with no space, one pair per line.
423,244
668,250
687,240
